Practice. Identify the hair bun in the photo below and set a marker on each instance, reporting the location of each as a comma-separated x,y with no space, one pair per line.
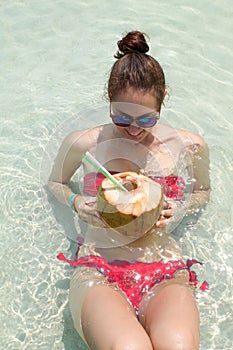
133,42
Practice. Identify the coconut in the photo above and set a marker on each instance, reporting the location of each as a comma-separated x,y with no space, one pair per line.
131,213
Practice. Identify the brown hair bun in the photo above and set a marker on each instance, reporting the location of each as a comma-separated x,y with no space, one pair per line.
134,69
133,42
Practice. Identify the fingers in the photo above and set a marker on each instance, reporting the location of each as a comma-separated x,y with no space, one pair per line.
91,218
162,222
88,207
87,211
166,214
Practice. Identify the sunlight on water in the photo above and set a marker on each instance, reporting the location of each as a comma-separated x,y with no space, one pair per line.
56,57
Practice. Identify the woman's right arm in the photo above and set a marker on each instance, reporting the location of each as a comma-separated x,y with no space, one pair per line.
68,160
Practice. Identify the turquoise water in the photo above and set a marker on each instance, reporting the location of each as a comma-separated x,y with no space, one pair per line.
55,59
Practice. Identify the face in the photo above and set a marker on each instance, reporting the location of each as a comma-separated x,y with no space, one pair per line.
140,110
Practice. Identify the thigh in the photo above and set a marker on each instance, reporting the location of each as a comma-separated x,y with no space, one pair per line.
171,317
102,314
110,322
82,281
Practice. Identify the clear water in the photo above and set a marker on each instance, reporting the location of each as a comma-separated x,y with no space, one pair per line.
55,59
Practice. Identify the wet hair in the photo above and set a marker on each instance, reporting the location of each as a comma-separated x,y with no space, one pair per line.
135,69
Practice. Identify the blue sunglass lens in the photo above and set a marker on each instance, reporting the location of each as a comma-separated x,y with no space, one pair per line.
121,120
146,122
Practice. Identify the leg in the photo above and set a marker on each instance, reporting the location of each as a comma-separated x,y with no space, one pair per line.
102,312
109,321
172,320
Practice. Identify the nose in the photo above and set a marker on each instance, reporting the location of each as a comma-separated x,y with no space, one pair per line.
134,124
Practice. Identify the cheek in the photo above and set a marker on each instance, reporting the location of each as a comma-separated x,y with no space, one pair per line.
121,129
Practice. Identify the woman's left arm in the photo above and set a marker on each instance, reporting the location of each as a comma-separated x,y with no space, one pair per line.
199,153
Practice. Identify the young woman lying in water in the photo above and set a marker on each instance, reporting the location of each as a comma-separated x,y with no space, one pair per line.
162,314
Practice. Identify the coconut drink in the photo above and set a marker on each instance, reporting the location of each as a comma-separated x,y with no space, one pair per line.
132,213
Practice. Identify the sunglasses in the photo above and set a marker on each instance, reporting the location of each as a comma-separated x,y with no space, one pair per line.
144,121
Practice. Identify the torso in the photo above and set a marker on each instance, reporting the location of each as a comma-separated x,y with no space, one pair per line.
158,156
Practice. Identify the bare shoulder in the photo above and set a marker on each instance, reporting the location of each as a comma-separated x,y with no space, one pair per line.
192,139
87,138
78,136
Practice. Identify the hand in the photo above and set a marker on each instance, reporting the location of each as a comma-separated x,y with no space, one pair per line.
166,213
87,210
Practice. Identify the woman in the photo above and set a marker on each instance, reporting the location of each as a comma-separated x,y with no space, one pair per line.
166,317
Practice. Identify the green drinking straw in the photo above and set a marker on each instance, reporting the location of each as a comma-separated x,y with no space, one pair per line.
102,170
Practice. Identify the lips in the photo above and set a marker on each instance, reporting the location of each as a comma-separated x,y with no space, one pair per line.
134,132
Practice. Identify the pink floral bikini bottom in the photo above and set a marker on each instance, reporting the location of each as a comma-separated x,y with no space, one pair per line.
136,279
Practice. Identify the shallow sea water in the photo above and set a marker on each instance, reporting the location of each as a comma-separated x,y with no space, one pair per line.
55,60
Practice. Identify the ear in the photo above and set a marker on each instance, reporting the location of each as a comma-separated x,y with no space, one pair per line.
164,95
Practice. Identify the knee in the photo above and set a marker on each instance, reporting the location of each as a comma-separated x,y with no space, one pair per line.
176,340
